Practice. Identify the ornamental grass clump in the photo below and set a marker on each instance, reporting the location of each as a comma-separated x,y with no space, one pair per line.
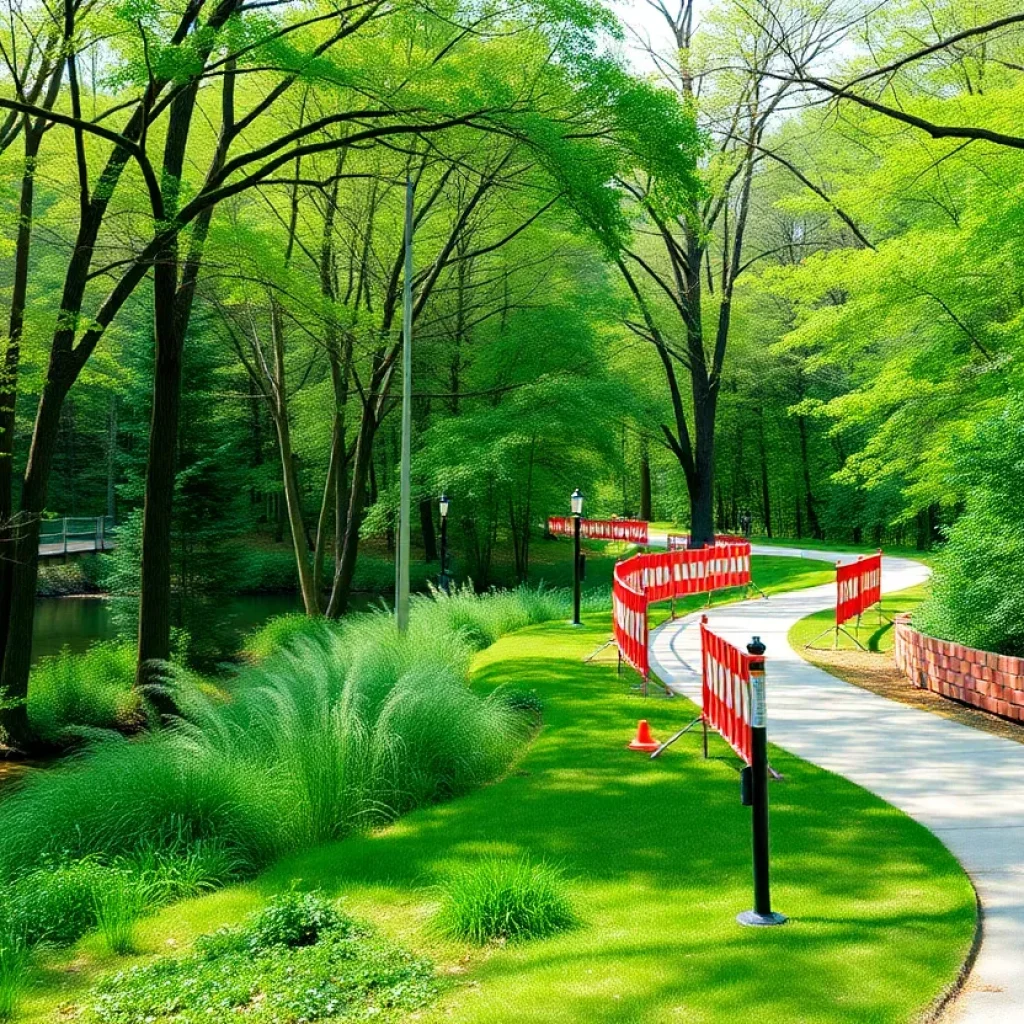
335,728
13,974
502,900
118,907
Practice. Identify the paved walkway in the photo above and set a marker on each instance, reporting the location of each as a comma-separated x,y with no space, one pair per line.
966,786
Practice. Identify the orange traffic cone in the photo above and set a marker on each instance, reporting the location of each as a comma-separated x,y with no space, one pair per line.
644,740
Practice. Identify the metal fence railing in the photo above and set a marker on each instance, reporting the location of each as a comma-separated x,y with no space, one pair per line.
76,534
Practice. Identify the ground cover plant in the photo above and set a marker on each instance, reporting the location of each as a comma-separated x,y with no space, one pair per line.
299,959
658,863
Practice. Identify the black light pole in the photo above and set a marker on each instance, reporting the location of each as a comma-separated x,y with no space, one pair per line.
442,504
577,519
762,913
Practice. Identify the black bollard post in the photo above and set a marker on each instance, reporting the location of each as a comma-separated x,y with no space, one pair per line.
577,564
762,913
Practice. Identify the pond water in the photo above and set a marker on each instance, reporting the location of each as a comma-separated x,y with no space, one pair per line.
76,622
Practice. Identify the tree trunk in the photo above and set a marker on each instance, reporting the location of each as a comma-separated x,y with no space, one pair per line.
9,376
346,563
327,503
766,497
702,485
812,515
645,481
25,564
161,462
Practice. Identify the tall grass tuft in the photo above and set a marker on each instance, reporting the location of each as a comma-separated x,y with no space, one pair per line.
13,974
73,693
506,901
119,905
336,727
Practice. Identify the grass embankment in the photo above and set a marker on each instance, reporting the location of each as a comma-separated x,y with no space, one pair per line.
875,669
659,863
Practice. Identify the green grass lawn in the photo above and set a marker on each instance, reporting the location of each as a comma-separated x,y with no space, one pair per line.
873,633
658,854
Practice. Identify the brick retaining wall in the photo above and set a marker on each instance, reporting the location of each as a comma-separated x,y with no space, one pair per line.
993,682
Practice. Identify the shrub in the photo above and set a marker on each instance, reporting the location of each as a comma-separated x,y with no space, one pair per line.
978,591
295,919
82,576
71,693
55,905
343,973
504,900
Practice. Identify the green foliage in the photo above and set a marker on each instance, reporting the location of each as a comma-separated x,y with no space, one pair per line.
978,590
341,727
299,959
295,919
84,575
72,694
14,969
283,631
505,900
59,902
118,906
56,904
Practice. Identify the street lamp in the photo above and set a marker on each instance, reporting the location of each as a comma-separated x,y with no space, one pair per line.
442,504
576,501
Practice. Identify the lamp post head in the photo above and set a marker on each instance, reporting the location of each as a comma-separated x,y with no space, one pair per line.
442,504
577,502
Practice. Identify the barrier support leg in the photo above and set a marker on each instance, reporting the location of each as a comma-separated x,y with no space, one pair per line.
676,736
704,722
835,631
753,586
590,657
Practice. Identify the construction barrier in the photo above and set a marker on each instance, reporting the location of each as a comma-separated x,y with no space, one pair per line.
629,607
648,578
726,692
858,586
633,531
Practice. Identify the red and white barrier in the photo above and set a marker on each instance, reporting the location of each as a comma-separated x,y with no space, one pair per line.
858,586
648,578
633,531
726,691
629,615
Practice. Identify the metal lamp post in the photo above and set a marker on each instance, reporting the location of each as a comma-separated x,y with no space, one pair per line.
577,517
442,504
405,474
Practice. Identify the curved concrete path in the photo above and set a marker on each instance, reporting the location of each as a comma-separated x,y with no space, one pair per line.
966,786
